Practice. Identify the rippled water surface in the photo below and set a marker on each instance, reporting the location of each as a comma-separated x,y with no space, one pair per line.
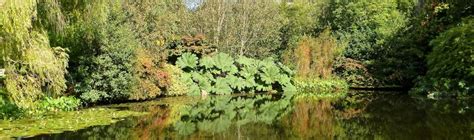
360,116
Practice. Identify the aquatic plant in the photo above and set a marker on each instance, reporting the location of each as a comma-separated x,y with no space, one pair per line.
69,121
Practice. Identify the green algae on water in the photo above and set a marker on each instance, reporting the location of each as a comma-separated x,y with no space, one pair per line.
63,121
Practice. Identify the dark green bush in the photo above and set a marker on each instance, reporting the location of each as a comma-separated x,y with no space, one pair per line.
8,110
451,63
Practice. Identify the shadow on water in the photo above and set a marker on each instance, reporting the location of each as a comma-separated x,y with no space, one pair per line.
369,115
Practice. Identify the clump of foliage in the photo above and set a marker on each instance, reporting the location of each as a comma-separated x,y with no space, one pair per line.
197,44
151,78
321,88
301,17
117,50
404,58
34,69
57,104
451,63
222,74
177,84
315,57
109,75
365,27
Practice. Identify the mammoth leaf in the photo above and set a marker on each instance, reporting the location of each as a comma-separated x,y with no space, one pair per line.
207,62
271,74
194,90
205,85
185,128
225,63
244,61
249,83
222,86
249,71
209,76
260,87
187,60
235,82
284,80
193,87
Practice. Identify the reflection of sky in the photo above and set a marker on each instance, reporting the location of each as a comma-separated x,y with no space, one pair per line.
192,4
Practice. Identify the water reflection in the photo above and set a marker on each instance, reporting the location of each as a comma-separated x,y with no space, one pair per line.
360,116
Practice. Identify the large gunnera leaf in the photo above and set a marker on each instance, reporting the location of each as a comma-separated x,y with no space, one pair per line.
225,63
222,87
207,62
271,74
187,60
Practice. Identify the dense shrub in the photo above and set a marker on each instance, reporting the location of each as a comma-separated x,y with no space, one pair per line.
197,45
177,85
314,57
108,76
451,63
404,59
150,76
222,74
366,27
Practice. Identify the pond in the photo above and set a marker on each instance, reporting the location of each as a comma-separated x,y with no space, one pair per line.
366,115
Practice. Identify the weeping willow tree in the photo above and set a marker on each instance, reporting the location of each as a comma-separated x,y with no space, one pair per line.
34,69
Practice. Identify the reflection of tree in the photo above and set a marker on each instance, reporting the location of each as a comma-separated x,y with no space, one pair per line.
218,114
312,119
395,116
388,116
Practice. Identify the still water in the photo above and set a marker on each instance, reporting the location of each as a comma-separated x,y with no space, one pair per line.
364,115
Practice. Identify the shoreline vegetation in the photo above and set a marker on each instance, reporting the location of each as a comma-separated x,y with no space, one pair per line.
60,57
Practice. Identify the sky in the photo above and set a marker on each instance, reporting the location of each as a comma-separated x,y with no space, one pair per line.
192,4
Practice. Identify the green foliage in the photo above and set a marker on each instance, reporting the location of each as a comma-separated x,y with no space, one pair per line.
404,60
102,51
188,44
109,75
178,86
321,88
301,18
34,68
56,105
64,121
8,110
187,60
451,63
365,25
366,28
221,74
